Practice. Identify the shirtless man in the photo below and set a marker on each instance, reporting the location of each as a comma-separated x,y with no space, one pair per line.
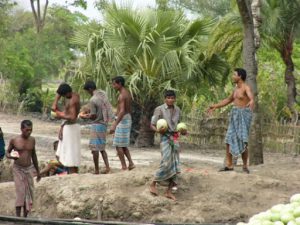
122,125
68,149
240,120
22,150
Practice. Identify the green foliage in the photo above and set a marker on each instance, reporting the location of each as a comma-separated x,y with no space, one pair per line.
205,8
272,103
27,58
155,50
31,100
8,96
280,22
80,3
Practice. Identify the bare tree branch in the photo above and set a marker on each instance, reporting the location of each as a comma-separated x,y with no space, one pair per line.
44,13
34,14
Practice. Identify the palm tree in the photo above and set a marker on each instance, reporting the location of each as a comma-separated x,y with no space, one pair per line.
156,51
232,36
250,64
280,27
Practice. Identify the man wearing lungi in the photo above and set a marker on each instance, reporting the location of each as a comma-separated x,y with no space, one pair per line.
239,120
169,165
121,127
100,114
68,149
22,150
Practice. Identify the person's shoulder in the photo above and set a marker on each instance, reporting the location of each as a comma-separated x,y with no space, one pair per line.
76,98
177,108
12,140
247,86
94,98
160,107
31,138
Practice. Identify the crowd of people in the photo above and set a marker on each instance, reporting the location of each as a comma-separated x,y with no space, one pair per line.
100,114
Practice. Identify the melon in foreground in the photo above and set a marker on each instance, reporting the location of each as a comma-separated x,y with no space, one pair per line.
181,127
161,124
53,114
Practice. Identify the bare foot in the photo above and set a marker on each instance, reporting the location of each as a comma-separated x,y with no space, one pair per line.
131,167
106,171
169,194
96,172
153,190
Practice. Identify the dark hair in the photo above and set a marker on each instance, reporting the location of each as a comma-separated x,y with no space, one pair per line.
119,80
241,73
89,85
169,93
64,89
26,123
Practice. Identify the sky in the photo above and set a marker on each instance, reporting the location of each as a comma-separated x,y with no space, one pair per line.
91,11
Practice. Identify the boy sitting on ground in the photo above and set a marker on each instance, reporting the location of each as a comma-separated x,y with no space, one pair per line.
54,166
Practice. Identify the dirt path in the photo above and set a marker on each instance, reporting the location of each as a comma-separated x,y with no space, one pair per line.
204,195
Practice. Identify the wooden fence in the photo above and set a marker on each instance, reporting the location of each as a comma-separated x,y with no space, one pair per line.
209,133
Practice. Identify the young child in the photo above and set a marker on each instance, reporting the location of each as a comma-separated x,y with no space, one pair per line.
169,165
54,167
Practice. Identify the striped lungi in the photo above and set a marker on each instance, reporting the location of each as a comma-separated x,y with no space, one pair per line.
122,132
97,137
169,165
238,130
68,149
24,186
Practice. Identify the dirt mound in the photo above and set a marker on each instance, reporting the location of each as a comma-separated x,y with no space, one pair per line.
204,195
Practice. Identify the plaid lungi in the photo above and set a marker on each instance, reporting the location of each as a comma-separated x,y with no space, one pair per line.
24,186
97,137
122,133
169,165
238,129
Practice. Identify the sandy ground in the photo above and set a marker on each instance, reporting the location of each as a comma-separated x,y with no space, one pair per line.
204,195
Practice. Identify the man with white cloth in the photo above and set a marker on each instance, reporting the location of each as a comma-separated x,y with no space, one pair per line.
68,149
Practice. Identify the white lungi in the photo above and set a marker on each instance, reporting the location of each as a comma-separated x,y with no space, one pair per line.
68,149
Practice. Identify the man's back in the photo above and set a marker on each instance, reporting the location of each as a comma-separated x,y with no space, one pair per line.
73,107
101,107
125,97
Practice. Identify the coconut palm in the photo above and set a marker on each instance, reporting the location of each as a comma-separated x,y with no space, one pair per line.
155,51
281,25
279,29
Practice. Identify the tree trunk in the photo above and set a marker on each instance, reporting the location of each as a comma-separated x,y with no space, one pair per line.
136,115
255,8
250,64
39,17
145,136
286,54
